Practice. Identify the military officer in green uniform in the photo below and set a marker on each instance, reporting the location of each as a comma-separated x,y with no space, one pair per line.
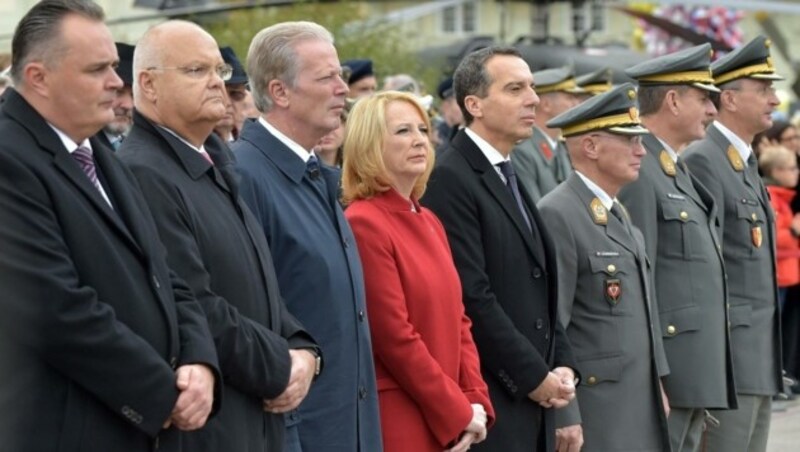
541,160
724,163
677,217
604,284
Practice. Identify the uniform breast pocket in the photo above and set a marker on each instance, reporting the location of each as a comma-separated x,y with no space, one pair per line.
750,228
613,274
681,231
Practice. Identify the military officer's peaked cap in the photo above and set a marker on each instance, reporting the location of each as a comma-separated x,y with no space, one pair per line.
751,60
556,80
239,76
125,67
614,111
686,67
358,69
595,82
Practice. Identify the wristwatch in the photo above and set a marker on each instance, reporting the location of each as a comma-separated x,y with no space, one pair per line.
317,362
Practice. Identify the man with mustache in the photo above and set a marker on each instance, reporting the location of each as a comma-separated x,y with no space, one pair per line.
725,164
677,216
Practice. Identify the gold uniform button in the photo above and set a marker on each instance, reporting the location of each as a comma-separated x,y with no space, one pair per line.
671,330
684,215
754,217
611,268
591,380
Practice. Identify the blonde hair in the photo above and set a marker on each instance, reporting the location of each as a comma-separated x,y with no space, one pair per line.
772,157
364,173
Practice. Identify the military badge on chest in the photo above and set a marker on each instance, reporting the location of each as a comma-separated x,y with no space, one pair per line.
756,236
613,290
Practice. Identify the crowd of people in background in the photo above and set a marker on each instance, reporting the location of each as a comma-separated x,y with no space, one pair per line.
204,255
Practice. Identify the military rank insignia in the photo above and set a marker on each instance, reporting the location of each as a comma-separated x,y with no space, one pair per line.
613,289
546,151
755,234
666,163
736,160
599,212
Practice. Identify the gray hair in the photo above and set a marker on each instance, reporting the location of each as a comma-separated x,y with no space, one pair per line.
37,37
471,78
272,56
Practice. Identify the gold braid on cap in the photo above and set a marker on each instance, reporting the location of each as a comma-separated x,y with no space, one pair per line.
763,68
630,118
567,85
680,77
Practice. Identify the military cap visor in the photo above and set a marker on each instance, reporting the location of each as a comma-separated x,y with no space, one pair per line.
686,67
614,111
751,60
125,67
596,82
556,80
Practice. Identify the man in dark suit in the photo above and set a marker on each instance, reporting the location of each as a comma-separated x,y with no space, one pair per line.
604,297
503,254
213,241
102,347
295,77
725,164
677,216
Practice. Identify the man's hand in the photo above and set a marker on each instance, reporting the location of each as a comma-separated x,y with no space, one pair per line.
303,367
664,399
196,385
553,392
567,377
569,438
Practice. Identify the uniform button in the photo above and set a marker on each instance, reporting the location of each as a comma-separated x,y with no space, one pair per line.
591,380
754,217
611,268
537,273
362,393
547,335
671,330
729,325
727,305
156,283
360,316
684,215
539,324
514,388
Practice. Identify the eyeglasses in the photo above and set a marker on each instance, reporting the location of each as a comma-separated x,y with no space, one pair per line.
764,91
224,71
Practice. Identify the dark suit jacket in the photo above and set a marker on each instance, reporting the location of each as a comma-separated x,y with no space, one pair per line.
509,290
92,321
319,272
216,245
678,218
744,214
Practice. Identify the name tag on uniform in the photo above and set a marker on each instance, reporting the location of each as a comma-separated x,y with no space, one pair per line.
676,196
607,254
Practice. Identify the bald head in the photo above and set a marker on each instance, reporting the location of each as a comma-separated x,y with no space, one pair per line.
177,67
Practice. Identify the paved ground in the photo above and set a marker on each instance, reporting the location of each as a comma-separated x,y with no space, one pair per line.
784,433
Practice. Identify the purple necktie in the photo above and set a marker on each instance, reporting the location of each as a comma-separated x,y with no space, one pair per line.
83,156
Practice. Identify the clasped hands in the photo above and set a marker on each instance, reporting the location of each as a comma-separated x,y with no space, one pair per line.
475,431
557,389
196,398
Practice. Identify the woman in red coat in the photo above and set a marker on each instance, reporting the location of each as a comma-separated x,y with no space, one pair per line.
432,396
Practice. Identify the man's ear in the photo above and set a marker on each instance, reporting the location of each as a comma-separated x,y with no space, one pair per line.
590,147
474,105
146,82
728,100
278,92
671,100
35,76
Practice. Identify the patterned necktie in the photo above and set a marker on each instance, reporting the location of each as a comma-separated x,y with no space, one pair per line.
511,182
83,156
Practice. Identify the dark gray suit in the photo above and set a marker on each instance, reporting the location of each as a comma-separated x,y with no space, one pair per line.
745,218
535,172
616,342
218,247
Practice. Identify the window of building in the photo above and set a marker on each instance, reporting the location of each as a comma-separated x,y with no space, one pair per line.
462,18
